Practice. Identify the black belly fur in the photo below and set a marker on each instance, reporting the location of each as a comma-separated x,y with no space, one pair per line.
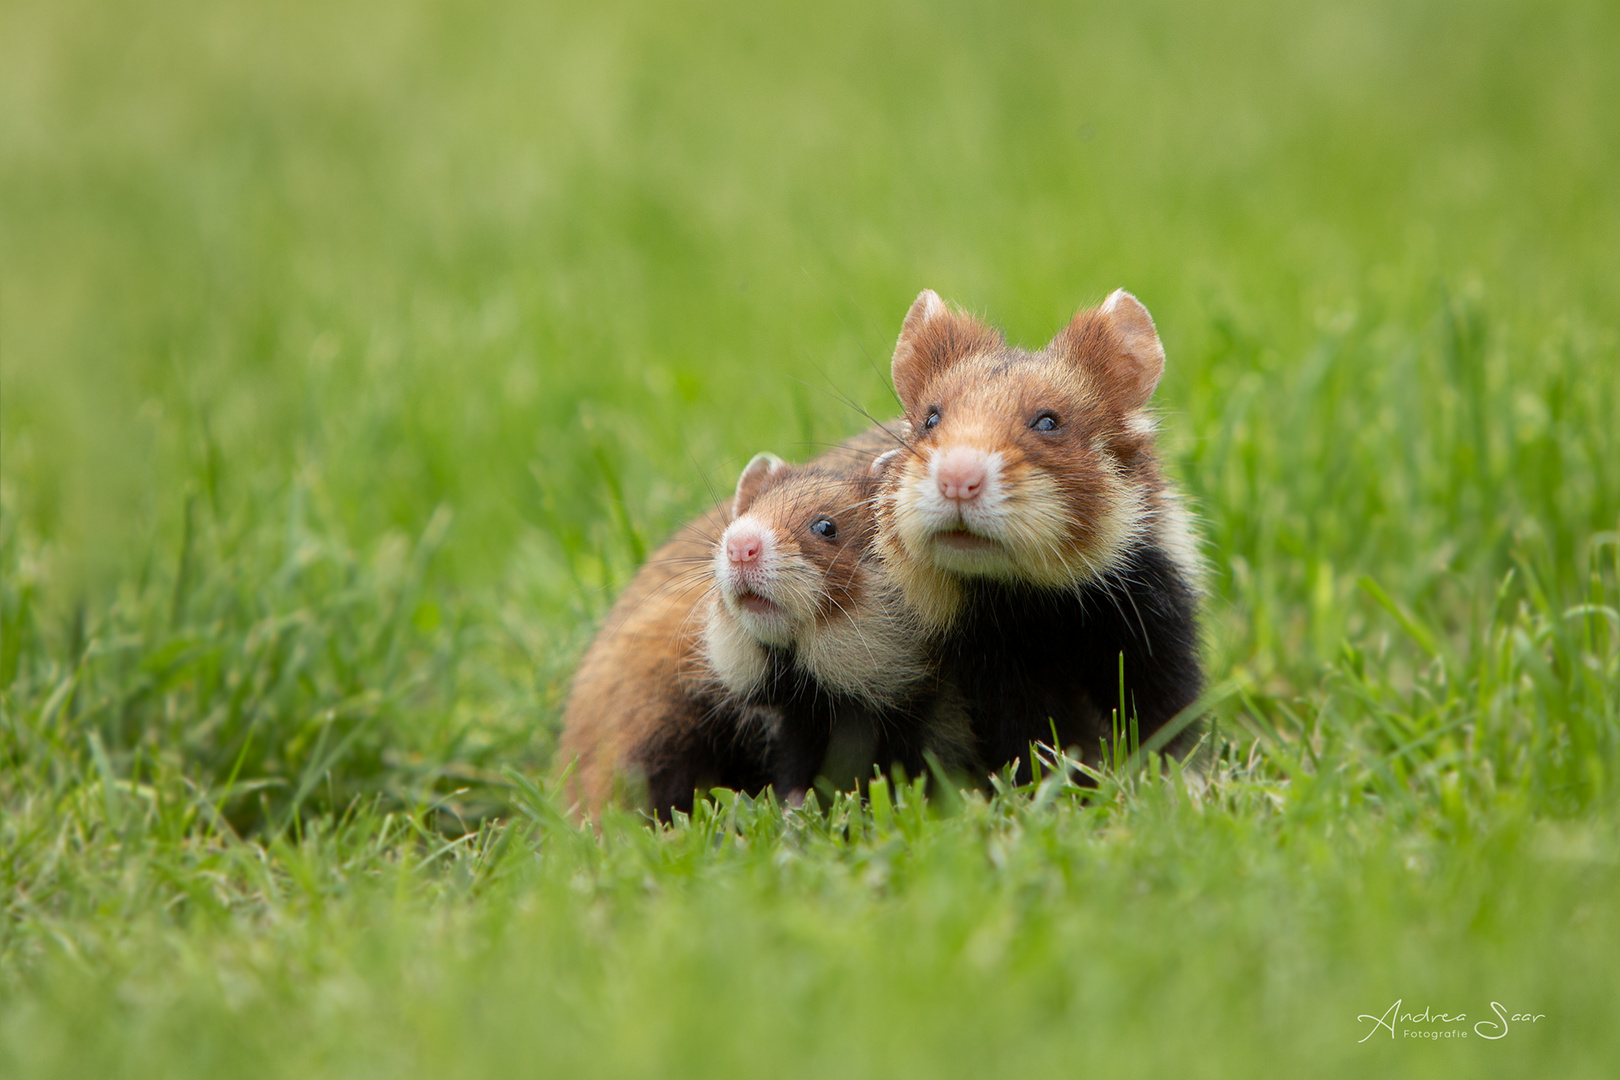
733,747
1028,659
885,737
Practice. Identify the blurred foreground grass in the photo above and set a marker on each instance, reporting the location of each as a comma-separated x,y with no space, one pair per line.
350,354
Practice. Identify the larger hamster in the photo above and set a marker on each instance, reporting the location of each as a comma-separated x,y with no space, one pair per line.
1033,531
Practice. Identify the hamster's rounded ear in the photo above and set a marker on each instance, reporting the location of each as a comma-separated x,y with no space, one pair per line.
932,338
881,463
761,472
1118,341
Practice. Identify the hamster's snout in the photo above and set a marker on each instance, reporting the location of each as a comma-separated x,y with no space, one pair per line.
961,473
744,546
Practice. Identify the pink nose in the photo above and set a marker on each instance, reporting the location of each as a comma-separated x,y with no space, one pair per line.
961,473
743,547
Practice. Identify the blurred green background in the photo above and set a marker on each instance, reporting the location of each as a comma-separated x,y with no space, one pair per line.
352,354
559,271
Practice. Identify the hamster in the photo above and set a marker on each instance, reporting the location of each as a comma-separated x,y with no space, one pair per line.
750,639
1033,532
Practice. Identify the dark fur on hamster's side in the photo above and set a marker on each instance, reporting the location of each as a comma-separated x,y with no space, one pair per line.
1034,532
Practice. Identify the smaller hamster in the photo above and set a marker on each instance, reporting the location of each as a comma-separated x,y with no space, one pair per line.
760,632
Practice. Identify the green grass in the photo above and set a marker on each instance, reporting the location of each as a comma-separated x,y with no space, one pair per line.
351,355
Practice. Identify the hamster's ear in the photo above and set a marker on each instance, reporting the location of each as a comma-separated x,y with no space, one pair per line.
881,463
932,338
1118,342
761,472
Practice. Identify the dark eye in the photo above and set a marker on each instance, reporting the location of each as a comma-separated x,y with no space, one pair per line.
1044,422
824,528
933,418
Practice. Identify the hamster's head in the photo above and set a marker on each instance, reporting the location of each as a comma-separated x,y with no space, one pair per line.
792,556
794,571
1033,468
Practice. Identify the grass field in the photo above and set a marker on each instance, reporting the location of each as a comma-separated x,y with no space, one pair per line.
353,354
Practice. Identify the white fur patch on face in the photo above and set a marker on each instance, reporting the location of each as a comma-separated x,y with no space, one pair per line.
922,516
1018,529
